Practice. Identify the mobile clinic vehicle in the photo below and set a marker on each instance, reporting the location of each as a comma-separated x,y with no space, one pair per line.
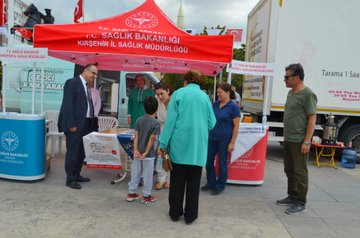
114,87
323,36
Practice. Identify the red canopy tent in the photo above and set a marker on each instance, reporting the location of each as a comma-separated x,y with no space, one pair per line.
143,39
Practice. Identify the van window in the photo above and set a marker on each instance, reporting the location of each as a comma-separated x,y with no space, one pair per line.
130,81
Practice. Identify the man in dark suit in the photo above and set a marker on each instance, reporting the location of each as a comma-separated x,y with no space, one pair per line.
75,118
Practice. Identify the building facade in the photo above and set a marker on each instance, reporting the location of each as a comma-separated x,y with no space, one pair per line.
19,19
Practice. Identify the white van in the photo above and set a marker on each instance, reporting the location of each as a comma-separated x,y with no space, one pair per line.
114,87
127,82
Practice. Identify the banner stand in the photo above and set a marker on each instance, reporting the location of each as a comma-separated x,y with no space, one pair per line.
246,164
22,136
22,147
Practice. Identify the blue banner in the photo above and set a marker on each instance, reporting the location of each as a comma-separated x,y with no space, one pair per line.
22,146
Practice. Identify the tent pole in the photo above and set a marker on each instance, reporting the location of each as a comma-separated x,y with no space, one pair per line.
82,10
33,89
3,87
10,23
266,98
42,88
229,76
214,88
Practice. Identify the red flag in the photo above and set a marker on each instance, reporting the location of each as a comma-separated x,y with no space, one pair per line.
25,33
78,12
237,33
3,20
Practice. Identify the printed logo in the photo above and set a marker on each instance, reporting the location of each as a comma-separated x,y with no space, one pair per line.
97,147
9,141
248,153
142,20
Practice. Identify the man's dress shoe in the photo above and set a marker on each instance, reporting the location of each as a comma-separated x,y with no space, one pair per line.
82,179
73,185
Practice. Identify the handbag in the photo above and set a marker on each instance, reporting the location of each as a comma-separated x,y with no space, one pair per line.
166,161
159,164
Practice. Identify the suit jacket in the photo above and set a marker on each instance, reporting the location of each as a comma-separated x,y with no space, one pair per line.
74,106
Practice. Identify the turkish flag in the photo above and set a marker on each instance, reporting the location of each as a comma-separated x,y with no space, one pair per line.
78,12
3,20
237,33
25,33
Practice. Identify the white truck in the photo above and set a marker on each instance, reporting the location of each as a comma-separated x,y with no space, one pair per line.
114,87
324,37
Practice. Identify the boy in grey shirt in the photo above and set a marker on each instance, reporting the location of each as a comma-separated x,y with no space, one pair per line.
147,130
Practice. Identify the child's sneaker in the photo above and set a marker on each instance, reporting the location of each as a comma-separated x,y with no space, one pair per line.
132,197
148,199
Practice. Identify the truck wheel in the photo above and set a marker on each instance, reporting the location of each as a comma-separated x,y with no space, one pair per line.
352,133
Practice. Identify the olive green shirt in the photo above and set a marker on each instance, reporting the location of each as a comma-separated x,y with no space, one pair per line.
298,107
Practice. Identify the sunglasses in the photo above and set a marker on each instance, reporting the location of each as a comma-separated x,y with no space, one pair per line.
287,77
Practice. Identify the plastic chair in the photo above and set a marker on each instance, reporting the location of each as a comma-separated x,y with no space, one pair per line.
106,123
53,133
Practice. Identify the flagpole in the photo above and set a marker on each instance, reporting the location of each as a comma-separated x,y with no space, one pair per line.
82,10
10,22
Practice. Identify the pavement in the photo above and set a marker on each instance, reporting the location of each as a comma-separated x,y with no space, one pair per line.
47,208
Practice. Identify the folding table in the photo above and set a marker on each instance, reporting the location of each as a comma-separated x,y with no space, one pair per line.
327,151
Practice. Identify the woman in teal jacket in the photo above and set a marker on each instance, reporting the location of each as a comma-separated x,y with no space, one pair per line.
189,118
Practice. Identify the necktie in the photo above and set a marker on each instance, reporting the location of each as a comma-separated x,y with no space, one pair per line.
91,105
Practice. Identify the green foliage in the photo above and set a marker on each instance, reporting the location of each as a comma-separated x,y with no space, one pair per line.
238,54
222,28
174,80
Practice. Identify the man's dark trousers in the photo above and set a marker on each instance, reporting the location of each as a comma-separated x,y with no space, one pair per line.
295,167
75,153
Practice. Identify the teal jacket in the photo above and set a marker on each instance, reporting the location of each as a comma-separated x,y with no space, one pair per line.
189,118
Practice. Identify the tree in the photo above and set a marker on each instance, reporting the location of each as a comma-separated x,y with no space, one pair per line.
221,28
174,80
238,54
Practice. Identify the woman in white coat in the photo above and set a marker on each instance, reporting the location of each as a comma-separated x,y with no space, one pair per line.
163,92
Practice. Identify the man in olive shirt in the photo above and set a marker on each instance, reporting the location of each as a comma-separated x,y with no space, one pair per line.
299,124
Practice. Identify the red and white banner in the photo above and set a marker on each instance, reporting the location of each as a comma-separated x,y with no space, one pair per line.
102,151
23,54
247,164
237,33
253,133
78,11
251,68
